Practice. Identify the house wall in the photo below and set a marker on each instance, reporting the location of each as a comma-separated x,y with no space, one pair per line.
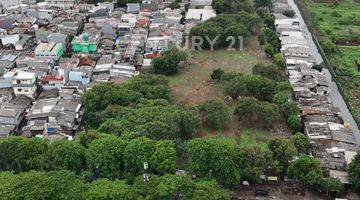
27,91
10,3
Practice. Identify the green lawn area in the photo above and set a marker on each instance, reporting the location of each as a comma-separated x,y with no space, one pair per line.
193,84
251,137
348,77
340,23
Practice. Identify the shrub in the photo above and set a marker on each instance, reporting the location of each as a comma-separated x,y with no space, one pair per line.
289,13
294,123
216,113
216,74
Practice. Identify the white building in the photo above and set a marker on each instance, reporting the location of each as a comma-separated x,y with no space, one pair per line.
201,14
66,4
10,3
24,83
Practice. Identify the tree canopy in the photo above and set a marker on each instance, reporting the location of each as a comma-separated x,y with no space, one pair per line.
283,150
215,157
216,113
168,61
307,170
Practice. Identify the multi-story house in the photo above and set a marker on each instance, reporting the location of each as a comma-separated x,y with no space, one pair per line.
24,83
66,4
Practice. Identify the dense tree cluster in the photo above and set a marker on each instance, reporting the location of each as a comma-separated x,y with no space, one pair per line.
215,158
270,40
66,185
169,60
251,85
139,107
216,31
272,72
250,108
105,156
99,97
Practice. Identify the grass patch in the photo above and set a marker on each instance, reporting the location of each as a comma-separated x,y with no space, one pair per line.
250,138
340,23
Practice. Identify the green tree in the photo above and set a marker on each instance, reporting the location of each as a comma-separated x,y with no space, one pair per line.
301,142
332,186
269,50
280,98
209,190
290,108
246,107
268,71
210,30
86,137
280,61
254,162
214,157
294,123
105,156
250,85
216,113
104,189
268,113
354,171
39,185
22,154
235,31
307,170
283,150
160,155
263,3
65,154
169,61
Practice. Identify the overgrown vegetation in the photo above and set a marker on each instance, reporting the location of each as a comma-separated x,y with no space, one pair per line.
337,27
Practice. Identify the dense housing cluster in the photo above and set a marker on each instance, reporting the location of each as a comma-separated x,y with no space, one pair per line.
53,51
332,141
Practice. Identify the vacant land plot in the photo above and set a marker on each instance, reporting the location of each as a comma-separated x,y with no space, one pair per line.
348,76
193,84
340,23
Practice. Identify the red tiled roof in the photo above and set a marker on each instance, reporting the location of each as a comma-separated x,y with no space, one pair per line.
52,78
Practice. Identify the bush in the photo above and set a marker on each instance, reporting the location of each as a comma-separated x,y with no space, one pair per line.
280,60
216,74
294,123
268,71
289,13
216,113
329,47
